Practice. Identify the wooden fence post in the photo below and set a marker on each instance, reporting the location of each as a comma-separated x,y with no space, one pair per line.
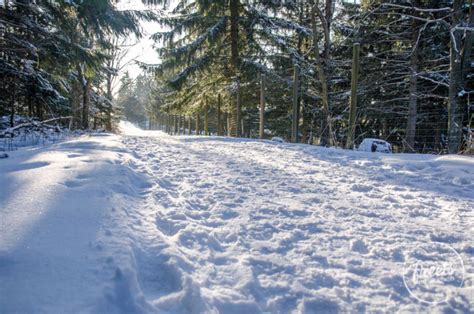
238,112
219,121
295,109
353,103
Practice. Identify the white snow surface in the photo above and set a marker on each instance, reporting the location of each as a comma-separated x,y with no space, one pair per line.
143,222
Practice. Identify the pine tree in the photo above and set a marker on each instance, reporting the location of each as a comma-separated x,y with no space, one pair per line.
52,55
225,39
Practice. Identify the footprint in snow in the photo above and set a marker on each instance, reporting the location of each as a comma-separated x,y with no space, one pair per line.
229,214
321,280
374,196
396,283
361,188
204,185
166,184
445,237
408,196
72,183
74,155
359,246
360,270
167,226
389,199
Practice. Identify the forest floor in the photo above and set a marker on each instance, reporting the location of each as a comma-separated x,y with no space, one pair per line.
144,222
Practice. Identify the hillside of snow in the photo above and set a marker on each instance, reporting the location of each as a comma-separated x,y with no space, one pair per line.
143,222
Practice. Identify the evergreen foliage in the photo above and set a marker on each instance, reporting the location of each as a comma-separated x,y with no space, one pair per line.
53,56
405,66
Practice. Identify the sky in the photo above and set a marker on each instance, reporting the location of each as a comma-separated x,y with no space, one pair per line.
143,50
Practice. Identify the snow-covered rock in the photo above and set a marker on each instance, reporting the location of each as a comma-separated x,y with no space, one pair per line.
375,145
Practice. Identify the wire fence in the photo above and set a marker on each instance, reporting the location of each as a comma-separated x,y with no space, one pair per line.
430,137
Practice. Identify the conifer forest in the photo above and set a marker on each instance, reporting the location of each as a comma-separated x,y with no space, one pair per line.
251,69
236,156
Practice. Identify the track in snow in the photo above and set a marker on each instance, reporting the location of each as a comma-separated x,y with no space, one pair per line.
239,225
148,223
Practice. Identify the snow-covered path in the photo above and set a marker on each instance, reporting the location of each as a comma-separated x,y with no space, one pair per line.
146,222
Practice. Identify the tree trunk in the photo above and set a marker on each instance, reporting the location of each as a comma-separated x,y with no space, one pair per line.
229,124
198,118
83,111
219,118
108,112
12,107
328,16
234,48
413,89
236,114
189,125
455,116
175,124
39,110
29,102
304,123
468,44
168,124
206,120
295,108
262,107
76,104
179,125
234,33
353,103
327,133
85,104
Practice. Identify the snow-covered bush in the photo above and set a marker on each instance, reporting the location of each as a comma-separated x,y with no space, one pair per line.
375,145
29,132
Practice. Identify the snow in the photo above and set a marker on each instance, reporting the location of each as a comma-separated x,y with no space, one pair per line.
147,223
375,145
277,139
